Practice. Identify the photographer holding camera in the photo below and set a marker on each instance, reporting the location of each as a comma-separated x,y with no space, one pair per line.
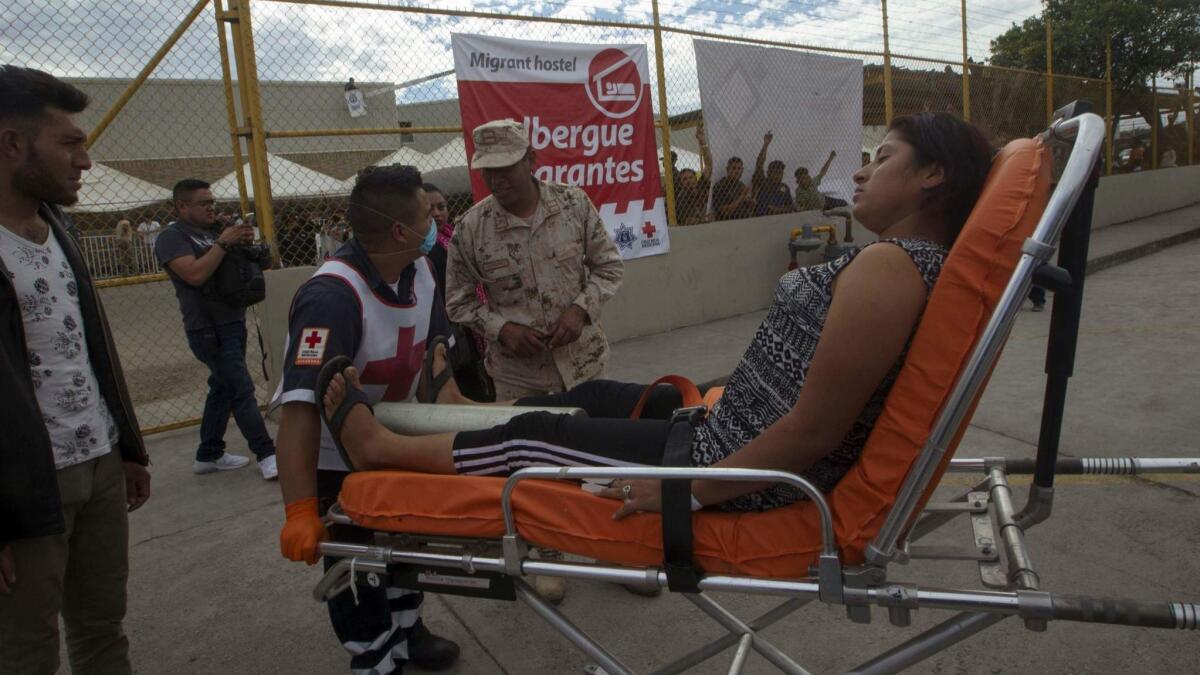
217,274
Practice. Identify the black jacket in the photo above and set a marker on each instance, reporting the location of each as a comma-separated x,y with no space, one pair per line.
29,500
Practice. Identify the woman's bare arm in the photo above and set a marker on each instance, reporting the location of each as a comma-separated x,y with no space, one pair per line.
877,302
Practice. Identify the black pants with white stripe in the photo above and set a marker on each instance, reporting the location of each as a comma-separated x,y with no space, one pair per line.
374,627
607,437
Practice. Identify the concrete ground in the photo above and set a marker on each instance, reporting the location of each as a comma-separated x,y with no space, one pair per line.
209,592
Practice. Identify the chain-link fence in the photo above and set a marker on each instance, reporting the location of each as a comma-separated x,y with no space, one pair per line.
251,96
173,126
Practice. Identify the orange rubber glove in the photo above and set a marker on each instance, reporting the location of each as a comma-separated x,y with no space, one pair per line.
302,532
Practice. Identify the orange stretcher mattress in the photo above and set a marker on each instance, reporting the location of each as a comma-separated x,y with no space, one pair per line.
782,542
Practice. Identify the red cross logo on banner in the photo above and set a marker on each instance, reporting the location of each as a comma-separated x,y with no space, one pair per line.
648,229
397,372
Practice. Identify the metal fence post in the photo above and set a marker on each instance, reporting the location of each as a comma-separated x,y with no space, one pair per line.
966,69
1049,64
243,35
888,108
233,18
1154,123
1110,126
235,138
145,73
1191,114
664,120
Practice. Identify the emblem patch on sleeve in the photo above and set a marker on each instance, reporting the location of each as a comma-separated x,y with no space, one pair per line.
311,351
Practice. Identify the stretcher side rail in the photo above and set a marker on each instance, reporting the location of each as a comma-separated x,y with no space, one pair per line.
828,563
1082,466
1029,604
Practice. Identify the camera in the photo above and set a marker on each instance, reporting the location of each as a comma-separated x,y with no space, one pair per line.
255,252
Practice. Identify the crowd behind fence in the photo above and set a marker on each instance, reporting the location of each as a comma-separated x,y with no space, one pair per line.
249,95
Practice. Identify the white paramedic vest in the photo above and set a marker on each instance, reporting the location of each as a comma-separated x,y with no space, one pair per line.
391,351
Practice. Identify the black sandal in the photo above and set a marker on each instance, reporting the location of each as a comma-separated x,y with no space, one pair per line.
429,386
354,396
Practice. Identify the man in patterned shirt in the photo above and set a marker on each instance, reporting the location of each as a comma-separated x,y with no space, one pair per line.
73,462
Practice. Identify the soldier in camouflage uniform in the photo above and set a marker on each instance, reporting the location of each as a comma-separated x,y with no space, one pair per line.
547,264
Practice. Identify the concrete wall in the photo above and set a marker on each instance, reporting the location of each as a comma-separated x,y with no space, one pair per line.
713,271
187,118
1130,196
273,313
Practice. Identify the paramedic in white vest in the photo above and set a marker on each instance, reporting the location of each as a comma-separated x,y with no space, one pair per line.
376,302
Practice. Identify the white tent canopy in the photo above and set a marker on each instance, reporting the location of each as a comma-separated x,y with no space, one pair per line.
401,156
452,154
405,156
288,179
447,167
106,189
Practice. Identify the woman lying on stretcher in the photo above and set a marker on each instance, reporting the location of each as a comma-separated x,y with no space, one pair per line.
808,389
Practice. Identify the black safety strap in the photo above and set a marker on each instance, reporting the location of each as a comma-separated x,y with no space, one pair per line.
682,574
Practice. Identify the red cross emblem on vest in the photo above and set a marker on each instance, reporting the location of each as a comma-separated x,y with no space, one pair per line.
398,371
310,351
648,229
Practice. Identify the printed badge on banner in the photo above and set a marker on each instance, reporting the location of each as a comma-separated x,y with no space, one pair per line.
587,111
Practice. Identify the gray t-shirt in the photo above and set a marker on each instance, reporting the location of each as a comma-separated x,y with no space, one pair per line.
177,240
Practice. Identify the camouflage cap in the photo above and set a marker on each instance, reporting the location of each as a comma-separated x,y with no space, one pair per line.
498,144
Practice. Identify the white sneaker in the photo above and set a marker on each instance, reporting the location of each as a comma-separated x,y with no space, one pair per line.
225,462
268,468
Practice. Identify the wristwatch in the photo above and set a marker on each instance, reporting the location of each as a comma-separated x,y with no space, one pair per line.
222,244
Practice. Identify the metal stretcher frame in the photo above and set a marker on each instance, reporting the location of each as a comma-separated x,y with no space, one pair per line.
998,547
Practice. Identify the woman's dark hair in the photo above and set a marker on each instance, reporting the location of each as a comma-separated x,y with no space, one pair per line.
962,151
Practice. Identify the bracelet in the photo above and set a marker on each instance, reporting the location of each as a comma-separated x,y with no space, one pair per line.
223,245
696,505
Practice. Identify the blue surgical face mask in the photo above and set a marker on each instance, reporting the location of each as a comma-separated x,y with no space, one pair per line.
430,239
426,244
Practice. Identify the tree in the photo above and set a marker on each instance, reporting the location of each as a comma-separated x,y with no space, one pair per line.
1150,38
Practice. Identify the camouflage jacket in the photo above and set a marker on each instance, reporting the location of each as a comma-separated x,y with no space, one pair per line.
532,272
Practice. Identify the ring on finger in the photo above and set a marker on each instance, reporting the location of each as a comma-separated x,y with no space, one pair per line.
625,490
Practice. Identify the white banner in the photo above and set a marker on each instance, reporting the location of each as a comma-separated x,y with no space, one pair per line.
811,103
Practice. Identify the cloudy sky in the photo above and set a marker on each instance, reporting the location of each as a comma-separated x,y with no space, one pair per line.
99,38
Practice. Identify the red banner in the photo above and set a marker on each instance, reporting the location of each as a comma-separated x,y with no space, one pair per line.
589,118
